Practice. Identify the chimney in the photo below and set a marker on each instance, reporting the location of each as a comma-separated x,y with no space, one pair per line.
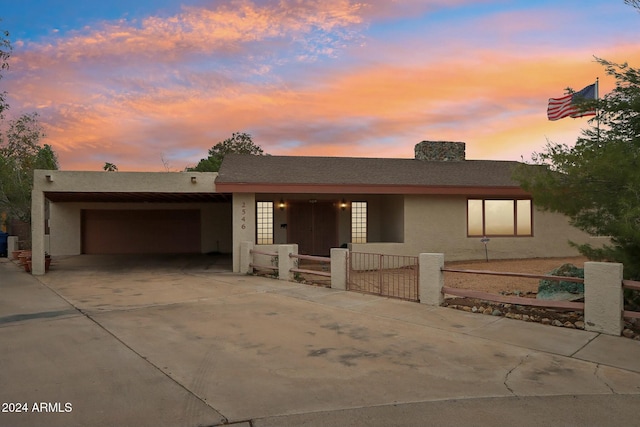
440,151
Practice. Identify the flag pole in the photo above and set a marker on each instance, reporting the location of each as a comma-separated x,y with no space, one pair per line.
597,109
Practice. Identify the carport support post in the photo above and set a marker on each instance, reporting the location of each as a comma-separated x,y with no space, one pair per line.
12,244
37,229
339,268
603,297
245,257
285,262
431,278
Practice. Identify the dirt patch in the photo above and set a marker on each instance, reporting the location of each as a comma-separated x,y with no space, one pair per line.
500,284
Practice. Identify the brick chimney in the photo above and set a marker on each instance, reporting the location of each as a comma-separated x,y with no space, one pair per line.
440,151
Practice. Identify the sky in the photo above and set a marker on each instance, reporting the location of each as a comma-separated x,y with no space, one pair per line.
151,85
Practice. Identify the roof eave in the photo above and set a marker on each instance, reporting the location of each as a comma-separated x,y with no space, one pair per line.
248,187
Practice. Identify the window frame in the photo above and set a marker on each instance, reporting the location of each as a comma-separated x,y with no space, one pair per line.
260,229
354,210
515,201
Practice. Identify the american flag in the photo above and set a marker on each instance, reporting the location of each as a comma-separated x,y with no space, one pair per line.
567,106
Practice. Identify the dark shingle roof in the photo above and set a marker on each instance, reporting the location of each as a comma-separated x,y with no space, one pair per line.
249,169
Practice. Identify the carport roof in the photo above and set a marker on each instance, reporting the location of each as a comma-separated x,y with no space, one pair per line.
293,174
136,197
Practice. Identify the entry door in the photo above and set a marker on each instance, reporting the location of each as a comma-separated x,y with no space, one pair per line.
313,226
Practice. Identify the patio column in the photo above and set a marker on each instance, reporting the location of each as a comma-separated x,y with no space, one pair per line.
37,232
244,224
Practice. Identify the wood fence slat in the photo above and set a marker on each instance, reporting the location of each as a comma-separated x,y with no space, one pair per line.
311,257
631,284
468,293
253,251
526,275
268,267
631,314
316,272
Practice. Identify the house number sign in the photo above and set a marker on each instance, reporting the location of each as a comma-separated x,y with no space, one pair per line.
243,218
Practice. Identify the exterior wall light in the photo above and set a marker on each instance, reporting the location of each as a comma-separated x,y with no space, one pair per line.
49,178
194,180
281,205
343,204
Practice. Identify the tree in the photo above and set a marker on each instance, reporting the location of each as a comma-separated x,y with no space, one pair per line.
634,3
239,143
20,155
596,183
5,53
110,167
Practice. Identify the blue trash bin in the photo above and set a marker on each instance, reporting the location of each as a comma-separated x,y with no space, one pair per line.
3,243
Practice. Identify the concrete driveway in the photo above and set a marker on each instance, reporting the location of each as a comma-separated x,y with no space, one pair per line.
105,341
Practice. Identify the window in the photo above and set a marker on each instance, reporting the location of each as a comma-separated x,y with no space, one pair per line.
358,222
264,223
495,217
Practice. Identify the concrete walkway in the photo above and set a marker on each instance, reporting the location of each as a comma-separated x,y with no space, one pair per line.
104,342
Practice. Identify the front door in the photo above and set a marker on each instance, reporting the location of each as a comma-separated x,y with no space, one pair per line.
313,226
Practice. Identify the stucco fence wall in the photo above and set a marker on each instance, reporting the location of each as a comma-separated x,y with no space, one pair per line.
603,296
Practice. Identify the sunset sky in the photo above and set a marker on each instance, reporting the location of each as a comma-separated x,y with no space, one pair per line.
151,85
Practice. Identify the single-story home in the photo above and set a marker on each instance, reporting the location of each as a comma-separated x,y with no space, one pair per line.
435,202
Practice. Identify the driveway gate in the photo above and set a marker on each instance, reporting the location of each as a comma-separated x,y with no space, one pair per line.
394,276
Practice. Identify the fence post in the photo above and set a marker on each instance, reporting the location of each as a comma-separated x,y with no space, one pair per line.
285,262
431,278
245,257
12,245
339,268
603,297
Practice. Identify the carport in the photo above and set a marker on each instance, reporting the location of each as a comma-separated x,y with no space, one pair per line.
128,213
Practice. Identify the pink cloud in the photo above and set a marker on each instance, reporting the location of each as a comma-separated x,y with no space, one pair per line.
196,30
130,93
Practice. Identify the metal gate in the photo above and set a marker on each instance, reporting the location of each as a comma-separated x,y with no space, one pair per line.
394,276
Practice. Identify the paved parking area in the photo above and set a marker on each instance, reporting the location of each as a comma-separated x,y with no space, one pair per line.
184,342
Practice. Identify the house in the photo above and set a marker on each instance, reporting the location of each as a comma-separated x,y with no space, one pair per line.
435,202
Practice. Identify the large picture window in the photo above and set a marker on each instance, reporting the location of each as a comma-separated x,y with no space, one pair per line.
358,222
499,217
264,223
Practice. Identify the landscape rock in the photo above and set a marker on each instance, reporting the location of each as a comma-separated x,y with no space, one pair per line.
567,319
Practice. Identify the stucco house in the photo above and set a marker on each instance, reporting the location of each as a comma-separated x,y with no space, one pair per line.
435,202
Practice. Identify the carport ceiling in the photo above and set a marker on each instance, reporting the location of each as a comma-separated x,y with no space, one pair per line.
130,197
